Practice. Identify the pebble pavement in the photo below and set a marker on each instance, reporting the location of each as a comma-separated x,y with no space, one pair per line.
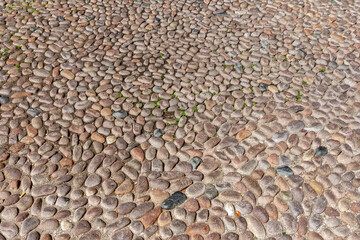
181,120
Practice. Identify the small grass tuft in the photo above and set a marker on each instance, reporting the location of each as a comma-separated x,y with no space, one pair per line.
298,97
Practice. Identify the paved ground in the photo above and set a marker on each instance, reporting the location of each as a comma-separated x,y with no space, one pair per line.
179,119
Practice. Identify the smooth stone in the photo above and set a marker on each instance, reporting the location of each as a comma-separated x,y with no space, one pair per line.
195,190
195,162
81,227
124,234
263,87
174,200
28,225
321,151
285,171
43,190
159,132
4,99
120,114
34,112
141,210
295,126
320,204
8,229
210,191
256,227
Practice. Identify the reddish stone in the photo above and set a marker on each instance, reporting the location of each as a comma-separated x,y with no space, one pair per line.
204,202
257,174
243,134
150,218
66,162
192,205
213,236
20,95
314,236
84,136
27,140
253,151
197,228
239,186
31,131
272,211
138,154
97,137
196,237
17,147
273,159
355,207
14,184
331,212
164,218
302,227
282,146
4,156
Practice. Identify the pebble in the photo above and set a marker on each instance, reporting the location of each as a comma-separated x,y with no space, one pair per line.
256,227
9,230
159,132
28,225
34,112
176,199
195,162
210,191
120,114
284,170
321,151
124,234
150,218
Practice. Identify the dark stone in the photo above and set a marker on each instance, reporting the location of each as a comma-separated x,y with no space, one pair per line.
33,29
176,199
34,112
61,19
285,171
90,17
158,132
195,162
211,192
222,14
120,114
195,31
4,99
263,87
321,151
239,67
